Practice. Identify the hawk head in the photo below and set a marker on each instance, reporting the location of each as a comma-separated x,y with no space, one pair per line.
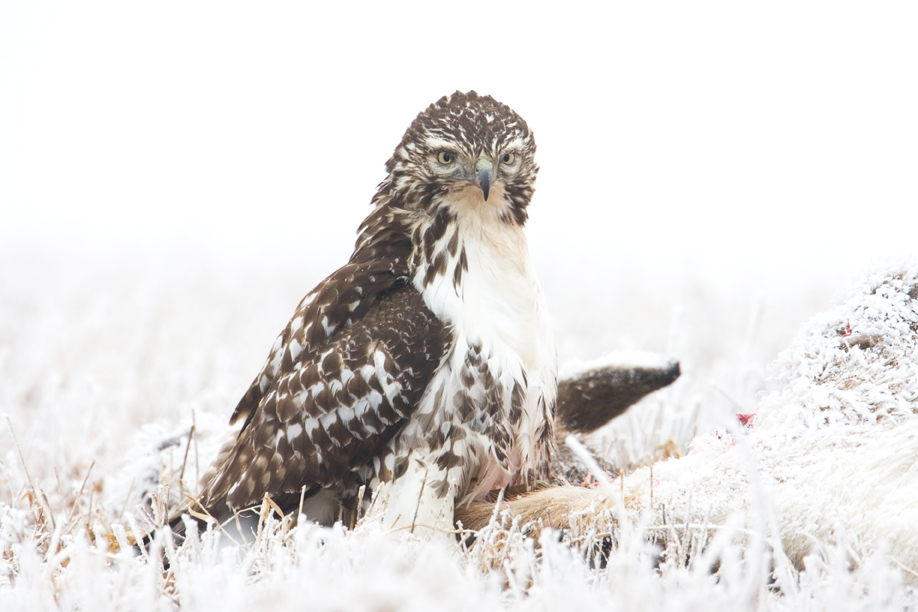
465,147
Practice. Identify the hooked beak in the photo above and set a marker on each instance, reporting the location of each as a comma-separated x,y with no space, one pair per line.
484,181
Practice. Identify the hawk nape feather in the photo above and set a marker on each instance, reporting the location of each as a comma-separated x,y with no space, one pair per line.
427,361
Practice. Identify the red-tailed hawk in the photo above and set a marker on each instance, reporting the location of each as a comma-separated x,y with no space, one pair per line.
427,360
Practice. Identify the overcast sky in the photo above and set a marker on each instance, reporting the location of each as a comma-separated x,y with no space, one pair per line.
775,137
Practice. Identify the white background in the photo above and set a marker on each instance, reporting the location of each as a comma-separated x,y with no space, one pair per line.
772,137
701,159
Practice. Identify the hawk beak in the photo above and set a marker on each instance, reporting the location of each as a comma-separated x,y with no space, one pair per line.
484,181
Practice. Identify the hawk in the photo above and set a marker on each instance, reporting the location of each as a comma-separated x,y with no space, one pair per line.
427,361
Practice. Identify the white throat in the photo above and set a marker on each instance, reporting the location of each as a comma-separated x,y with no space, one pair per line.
498,302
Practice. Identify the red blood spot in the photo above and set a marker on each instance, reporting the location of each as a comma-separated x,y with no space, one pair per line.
745,419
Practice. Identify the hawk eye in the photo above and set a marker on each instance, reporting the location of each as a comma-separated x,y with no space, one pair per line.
508,158
445,157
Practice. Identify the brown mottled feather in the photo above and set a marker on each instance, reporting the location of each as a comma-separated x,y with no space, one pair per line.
397,329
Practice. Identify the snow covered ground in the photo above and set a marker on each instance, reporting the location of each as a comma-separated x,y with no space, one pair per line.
105,355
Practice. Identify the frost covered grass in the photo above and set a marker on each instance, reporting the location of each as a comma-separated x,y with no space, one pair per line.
105,359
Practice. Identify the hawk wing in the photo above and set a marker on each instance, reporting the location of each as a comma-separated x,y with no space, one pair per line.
328,403
338,301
